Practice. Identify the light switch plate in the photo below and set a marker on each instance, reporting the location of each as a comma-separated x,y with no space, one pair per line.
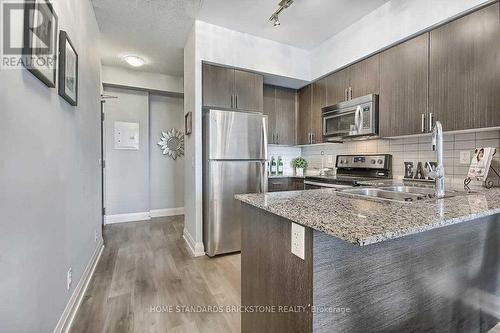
330,159
465,157
298,240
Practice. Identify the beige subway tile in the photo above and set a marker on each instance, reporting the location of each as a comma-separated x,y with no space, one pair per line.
411,147
465,145
465,137
410,140
495,143
488,135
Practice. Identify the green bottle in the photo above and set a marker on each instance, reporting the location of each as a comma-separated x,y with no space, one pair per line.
280,166
273,166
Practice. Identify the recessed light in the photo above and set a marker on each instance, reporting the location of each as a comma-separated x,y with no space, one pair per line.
134,61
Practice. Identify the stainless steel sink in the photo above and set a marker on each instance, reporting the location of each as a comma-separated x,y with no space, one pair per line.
401,193
383,194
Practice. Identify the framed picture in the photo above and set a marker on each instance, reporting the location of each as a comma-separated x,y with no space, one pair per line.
68,69
188,123
40,40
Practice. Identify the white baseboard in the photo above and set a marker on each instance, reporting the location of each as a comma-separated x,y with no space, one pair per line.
132,217
64,323
166,212
195,248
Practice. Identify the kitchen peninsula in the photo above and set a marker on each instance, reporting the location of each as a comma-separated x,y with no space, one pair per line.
371,265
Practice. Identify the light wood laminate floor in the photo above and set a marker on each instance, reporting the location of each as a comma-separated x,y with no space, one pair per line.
147,264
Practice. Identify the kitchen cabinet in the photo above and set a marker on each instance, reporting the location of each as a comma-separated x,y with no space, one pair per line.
312,99
336,85
285,184
318,103
359,79
305,116
280,105
464,83
404,88
232,89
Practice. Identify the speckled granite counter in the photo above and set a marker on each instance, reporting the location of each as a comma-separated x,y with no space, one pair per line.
367,221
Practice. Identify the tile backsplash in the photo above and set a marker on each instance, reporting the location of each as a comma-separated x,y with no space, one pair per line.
411,149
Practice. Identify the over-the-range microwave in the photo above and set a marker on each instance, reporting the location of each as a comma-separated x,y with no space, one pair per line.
356,118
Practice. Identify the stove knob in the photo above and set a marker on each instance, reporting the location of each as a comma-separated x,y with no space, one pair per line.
380,162
373,161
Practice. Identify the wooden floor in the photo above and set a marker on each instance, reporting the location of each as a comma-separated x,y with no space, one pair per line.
146,264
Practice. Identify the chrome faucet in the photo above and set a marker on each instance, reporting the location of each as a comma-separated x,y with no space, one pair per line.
438,172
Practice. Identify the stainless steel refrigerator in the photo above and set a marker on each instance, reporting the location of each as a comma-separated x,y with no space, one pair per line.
234,162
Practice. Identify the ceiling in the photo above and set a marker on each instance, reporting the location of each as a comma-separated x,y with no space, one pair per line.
157,29
305,24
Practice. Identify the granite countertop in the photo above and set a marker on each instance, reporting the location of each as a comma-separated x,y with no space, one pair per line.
364,221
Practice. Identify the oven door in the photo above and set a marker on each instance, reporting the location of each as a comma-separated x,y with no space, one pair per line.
352,121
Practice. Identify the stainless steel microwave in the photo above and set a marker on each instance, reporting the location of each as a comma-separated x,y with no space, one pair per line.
357,117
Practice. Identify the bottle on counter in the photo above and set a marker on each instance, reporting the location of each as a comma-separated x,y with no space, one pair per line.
280,166
274,167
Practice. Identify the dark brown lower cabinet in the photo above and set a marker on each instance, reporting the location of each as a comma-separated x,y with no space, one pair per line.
464,90
285,184
403,88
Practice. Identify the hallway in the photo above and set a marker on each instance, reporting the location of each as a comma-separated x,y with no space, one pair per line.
146,264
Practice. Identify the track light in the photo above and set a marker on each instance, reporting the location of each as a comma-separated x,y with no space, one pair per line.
284,4
276,21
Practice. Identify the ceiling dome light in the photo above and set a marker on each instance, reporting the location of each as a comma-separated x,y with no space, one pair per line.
134,61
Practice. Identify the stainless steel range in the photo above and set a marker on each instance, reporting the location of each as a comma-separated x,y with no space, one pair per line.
353,170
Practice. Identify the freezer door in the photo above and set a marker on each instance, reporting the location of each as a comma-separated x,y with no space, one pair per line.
221,211
236,135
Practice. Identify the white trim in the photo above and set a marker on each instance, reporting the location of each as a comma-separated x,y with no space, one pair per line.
166,212
195,248
64,323
132,217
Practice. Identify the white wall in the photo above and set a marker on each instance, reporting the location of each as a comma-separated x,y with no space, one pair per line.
50,195
118,76
143,182
127,171
388,24
166,175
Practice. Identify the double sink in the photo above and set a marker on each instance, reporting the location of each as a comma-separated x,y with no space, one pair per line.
400,193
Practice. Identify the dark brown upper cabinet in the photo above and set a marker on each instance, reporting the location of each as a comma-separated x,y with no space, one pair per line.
317,104
364,77
280,105
403,88
359,79
232,89
336,87
464,83
305,116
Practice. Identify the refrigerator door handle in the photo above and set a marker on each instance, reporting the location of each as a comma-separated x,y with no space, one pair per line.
263,176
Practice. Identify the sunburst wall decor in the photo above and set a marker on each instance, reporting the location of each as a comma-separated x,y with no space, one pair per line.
172,143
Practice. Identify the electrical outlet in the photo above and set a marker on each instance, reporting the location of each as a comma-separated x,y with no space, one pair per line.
298,240
69,277
95,236
465,157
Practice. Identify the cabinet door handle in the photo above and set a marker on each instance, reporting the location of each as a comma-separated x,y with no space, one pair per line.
431,121
236,98
423,122
349,92
232,105
346,95
277,138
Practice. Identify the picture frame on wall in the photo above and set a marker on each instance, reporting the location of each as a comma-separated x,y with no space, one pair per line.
68,69
40,41
188,123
